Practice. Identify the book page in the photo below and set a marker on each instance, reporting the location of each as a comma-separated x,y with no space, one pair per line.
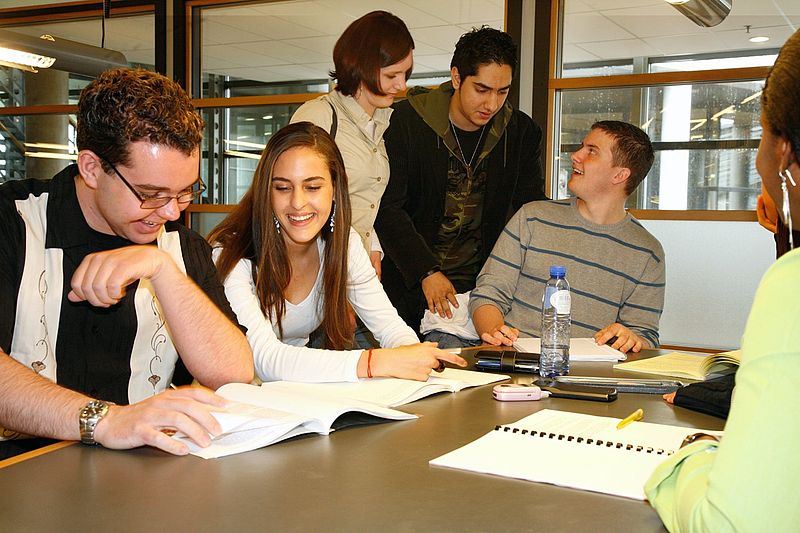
318,409
545,448
390,392
580,349
247,427
720,362
675,364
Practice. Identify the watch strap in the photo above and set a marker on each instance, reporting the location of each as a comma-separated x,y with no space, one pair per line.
88,418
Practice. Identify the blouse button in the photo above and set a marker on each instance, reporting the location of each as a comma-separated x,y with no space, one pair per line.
374,150
372,206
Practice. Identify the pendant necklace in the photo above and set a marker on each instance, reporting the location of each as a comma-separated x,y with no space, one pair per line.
474,152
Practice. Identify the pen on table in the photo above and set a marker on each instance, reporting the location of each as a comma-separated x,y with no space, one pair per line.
633,417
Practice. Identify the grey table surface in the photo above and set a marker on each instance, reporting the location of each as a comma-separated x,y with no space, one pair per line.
363,478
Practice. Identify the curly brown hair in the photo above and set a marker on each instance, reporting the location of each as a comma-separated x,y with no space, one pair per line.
127,105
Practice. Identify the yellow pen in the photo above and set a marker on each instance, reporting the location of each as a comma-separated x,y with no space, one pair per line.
633,417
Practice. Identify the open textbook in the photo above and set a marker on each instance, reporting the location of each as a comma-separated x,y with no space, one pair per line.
682,365
572,450
258,416
581,349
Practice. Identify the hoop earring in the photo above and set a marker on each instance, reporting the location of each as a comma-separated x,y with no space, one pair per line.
333,216
787,211
277,224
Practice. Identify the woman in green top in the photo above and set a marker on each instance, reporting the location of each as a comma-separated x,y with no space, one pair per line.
749,480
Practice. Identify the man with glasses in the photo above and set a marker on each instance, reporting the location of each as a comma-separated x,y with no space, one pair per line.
106,299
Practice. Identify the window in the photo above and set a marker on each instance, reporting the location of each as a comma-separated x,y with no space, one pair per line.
694,90
39,141
267,58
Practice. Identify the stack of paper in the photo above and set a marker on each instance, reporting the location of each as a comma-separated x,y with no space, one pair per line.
582,349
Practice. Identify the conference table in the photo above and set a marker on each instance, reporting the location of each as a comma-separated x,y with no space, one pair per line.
372,477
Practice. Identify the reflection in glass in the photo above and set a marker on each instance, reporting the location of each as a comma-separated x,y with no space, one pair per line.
232,145
599,37
705,135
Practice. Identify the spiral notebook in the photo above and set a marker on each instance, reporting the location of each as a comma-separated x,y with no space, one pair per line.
572,450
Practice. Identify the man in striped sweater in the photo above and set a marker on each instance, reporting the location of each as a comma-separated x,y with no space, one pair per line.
615,267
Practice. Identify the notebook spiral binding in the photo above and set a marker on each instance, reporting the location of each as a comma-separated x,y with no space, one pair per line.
595,442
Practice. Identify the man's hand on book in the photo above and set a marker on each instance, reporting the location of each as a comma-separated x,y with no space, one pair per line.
152,421
626,341
414,361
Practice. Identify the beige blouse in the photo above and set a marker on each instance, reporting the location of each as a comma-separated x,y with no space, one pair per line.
360,139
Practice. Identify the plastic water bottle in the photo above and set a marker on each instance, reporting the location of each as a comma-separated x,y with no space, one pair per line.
556,304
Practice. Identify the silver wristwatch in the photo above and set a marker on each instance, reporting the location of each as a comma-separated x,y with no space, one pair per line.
90,414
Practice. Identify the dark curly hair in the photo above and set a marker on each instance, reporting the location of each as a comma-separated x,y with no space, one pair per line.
781,98
632,150
126,105
481,46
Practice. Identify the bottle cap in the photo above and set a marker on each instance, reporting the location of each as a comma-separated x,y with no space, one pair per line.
558,271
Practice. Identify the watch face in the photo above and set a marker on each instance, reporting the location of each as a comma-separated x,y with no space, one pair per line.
90,415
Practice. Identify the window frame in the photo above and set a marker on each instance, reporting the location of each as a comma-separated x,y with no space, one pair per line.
643,80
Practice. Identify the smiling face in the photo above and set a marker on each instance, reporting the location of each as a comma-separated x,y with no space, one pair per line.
478,98
302,195
392,81
153,169
593,170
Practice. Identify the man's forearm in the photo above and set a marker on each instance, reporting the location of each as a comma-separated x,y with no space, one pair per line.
214,350
33,405
487,318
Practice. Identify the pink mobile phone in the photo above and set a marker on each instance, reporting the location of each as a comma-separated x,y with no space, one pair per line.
516,392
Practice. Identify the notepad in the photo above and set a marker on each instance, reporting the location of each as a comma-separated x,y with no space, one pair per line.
258,416
682,365
572,450
580,349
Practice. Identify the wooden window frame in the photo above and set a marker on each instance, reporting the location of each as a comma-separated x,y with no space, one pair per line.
637,80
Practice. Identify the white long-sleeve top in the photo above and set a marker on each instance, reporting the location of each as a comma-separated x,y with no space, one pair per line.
288,358
360,139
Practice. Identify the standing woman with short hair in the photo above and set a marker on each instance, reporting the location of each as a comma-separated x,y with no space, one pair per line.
372,62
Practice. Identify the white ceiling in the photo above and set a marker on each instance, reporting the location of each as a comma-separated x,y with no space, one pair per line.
293,39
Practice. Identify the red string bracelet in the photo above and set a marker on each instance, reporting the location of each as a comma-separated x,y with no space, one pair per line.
369,363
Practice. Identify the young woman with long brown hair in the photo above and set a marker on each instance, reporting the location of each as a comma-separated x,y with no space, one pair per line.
290,262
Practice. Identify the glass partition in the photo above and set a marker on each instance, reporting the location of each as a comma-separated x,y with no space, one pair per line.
257,48
609,37
705,135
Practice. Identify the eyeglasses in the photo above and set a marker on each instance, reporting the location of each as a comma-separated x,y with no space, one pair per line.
158,200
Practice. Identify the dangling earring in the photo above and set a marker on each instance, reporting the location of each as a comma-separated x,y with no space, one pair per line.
277,224
333,216
787,211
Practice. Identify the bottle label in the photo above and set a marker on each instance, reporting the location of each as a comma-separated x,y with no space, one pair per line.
562,301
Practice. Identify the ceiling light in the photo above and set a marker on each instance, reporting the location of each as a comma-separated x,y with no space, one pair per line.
49,146
245,155
31,53
24,60
267,117
759,39
51,155
706,13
